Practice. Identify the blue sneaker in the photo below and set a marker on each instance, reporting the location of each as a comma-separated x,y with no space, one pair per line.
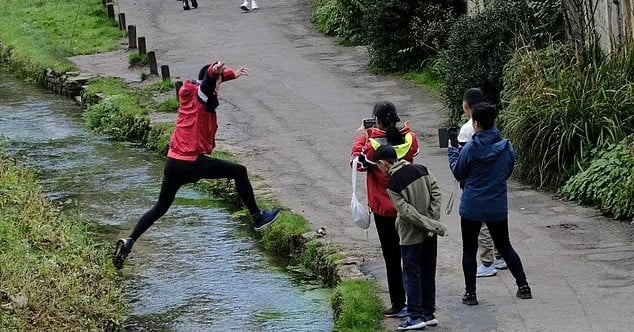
412,324
395,312
266,218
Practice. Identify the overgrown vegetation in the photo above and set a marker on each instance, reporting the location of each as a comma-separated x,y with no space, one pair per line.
357,306
41,34
402,35
53,275
122,114
560,104
608,182
342,18
162,86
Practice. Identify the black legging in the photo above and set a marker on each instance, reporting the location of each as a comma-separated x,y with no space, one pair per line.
179,172
500,234
388,236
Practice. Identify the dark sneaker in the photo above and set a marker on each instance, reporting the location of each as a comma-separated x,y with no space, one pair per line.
194,4
524,292
186,5
265,219
121,251
395,312
470,299
430,320
412,324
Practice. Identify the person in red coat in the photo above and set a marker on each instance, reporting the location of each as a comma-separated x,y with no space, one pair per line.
188,160
404,141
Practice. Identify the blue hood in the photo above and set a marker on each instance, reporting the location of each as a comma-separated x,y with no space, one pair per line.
488,145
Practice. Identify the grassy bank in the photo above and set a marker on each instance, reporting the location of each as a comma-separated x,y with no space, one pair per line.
53,276
41,34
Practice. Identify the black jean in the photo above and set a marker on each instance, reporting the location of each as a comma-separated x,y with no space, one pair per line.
388,236
500,235
419,271
179,172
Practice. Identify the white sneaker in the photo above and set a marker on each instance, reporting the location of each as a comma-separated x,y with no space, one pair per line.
500,264
245,6
254,5
486,271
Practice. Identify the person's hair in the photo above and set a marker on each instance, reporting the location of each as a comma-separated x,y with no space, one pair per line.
473,96
385,152
484,114
202,72
386,113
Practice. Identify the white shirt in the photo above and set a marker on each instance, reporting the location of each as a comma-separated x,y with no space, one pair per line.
466,132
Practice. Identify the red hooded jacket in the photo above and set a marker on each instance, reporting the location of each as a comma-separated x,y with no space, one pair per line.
378,199
196,127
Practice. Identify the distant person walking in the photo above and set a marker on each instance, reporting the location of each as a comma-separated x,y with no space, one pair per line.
186,4
187,160
249,5
404,141
485,164
489,256
416,196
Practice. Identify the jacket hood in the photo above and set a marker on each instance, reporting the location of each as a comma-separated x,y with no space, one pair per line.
488,145
188,90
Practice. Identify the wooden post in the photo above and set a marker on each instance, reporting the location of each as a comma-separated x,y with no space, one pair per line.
122,21
178,85
131,36
142,49
110,7
165,72
151,58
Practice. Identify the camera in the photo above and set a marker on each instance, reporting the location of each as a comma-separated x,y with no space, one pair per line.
369,123
448,134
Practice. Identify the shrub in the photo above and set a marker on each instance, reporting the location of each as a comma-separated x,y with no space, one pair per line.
479,46
113,118
558,108
342,18
608,182
403,34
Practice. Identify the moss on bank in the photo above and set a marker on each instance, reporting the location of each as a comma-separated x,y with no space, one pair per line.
357,306
54,276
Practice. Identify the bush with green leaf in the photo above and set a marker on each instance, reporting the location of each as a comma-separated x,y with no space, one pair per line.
342,18
608,182
479,46
558,107
402,35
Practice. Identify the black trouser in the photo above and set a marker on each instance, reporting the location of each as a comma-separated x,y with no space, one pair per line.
500,234
419,271
179,172
388,236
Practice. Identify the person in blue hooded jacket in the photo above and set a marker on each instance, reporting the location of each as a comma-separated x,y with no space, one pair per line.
484,165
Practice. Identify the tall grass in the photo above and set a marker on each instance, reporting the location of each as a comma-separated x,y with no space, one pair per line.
53,275
560,103
42,33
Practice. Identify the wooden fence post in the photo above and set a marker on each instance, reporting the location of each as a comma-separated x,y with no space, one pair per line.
151,58
165,72
110,7
142,49
178,85
131,36
122,21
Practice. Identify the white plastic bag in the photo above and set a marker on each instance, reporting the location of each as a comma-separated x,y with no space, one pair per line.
360,214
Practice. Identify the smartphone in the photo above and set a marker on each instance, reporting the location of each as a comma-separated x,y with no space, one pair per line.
453,136
369,123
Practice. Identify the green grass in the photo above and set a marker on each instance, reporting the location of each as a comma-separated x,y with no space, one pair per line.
357,306
54,276
136,59
282,235
169,106
162,86
427,78
43,33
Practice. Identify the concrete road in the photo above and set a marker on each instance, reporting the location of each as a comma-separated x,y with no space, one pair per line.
293,121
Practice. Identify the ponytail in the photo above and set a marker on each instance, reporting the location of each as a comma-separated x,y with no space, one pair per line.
386,113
